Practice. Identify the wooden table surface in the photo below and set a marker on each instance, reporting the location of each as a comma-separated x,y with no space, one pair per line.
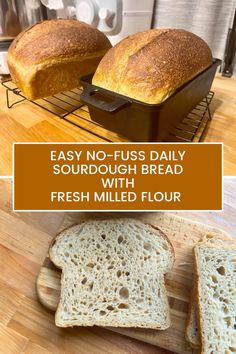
27,122
25,326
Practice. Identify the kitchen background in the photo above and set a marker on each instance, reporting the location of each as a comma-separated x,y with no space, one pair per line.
211,20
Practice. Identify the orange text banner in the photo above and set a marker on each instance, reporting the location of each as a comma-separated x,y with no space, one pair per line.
117,176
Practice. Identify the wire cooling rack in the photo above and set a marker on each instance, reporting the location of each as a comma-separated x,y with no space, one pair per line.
67,106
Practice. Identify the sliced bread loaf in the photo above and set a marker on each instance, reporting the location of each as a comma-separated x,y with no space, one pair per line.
113,274
215,262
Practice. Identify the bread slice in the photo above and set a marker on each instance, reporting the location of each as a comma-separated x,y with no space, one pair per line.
192,330
215,262
113,274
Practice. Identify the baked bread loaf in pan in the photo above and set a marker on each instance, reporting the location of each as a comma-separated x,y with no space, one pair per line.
149,66
51,56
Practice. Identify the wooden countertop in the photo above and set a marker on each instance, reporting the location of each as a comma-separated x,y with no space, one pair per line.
25,326
27,122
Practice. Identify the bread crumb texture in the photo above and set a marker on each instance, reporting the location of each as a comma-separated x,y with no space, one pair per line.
217,299
113,274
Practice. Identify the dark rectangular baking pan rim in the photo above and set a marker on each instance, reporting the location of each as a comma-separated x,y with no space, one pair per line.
89,89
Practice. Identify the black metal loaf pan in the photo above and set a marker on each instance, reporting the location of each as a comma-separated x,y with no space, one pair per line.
140,121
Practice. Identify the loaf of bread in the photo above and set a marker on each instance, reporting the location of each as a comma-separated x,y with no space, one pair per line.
113,274
51,56
215,261
149,66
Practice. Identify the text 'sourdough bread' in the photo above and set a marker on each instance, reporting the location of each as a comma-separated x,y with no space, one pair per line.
52,55
113,274
149,66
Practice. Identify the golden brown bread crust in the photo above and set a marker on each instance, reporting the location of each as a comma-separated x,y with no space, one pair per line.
149,66
52,55
192,335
